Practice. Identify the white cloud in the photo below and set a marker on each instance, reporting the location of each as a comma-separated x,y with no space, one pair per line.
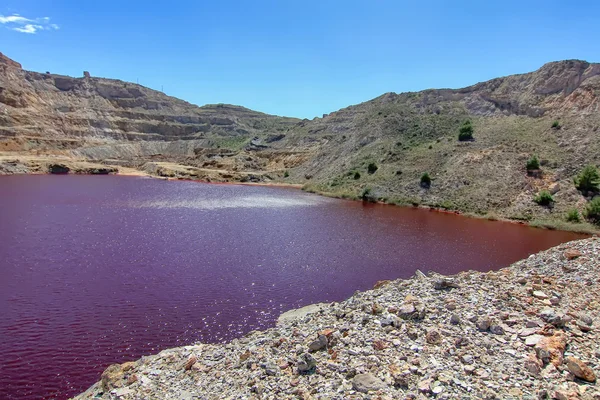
28,28
21,24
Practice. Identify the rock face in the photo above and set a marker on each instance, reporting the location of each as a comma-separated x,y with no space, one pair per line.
8,63
105,119
367,358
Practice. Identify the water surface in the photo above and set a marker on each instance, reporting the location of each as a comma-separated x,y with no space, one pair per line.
102,269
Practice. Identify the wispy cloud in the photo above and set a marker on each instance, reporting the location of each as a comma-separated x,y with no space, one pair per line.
21,24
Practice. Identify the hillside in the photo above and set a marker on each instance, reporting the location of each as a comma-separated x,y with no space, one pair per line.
406,135
553,113
100,119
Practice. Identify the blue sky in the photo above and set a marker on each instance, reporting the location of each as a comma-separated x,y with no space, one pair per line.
296,58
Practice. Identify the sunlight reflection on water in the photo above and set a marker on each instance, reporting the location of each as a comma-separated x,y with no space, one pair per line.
239,202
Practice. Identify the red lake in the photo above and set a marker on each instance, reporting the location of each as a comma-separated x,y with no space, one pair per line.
96,270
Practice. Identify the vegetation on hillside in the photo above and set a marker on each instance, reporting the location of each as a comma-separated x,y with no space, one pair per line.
588,180
465,132
544,198
593,210
573,215
425,180
533,164
372,168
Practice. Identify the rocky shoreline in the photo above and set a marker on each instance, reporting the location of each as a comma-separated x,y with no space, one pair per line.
529,331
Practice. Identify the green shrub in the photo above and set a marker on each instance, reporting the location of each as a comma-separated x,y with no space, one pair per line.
466,132
592,211
573,215
367,195
533,163
357,175
286,174
556,125
588,180
371,168
544,198
425,180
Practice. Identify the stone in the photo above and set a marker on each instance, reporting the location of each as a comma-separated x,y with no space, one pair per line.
580,369
571,254
469,369
318,344
406,310
271,368
552,317
467,359
484,324
411,311
527,332
433,337
550,349
445,283
365,383
190,363
533,365
497,329
122,392
380,284
113,376
533,340
376,308
454,319
538,294
424,386
306,364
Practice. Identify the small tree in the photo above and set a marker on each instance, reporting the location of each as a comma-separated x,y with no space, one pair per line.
556,124
573,215
357,175
588,180
367,195
592,211
371,168
286,174
465,132
425,180
533,164
544,198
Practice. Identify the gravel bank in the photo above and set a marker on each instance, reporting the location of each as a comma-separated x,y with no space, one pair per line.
528,331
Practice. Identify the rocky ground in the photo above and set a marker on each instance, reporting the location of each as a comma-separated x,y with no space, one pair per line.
531,331
52,164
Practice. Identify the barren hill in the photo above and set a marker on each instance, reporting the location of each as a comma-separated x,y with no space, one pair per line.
52,114
553,113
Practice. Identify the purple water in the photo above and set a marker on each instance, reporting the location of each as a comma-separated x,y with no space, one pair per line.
96,270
